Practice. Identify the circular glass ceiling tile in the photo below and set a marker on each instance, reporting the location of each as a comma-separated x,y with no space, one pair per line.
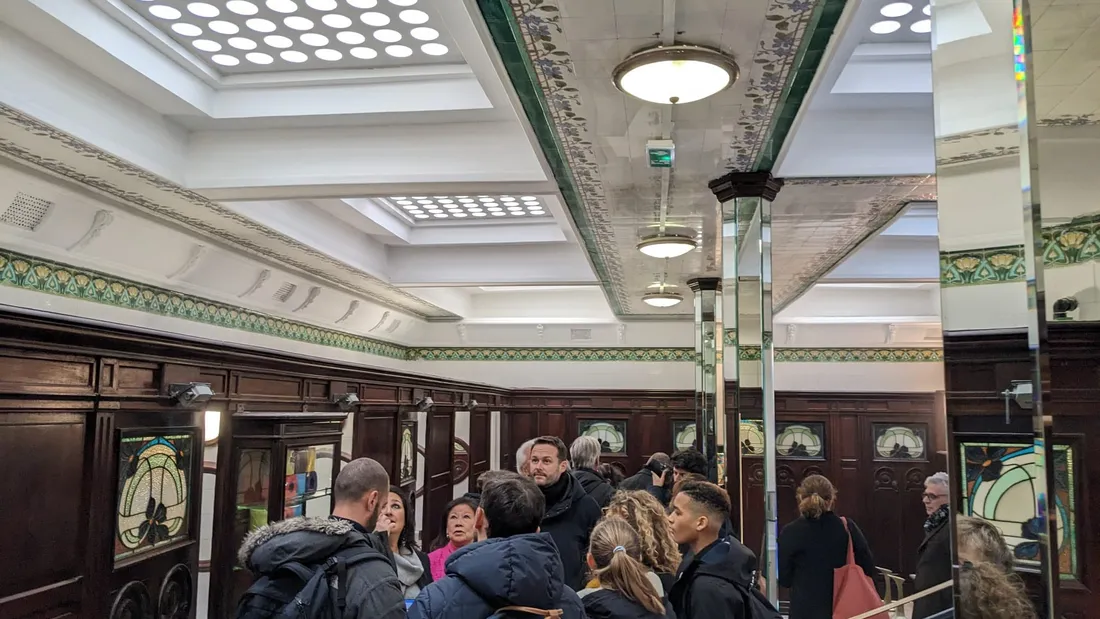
424,33
164,12
242,7
242,43
434,49
330,55
335,20
278,41
363,53
885,27
203,9
282,6
207,45
363,4
387,35
399,51
260,25
293,56
225,60
224,27
413,16
350,37
375,19
187,30
259,58
322,5
314,39
403,2
298,23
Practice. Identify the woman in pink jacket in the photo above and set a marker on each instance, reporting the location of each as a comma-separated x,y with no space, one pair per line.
457,531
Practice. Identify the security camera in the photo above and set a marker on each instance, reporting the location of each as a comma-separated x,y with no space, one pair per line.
423,404
1063,306
346,401
471,405
188,395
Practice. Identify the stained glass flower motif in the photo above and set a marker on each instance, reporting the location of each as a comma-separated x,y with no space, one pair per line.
154,484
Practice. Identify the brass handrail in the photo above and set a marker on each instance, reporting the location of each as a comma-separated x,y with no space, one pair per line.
904,601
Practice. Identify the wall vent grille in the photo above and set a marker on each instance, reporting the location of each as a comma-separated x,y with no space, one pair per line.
25,211
285,292
580,334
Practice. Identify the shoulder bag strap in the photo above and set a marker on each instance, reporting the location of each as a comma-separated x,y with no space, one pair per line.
555,613
851,550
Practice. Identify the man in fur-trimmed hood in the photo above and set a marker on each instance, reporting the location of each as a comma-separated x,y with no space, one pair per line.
373,590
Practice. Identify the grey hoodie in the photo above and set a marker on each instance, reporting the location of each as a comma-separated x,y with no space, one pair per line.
373,591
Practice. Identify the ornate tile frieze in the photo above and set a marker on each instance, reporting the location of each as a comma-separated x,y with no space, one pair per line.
846,355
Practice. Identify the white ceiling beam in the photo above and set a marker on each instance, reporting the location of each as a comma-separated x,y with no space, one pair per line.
359,161
548,264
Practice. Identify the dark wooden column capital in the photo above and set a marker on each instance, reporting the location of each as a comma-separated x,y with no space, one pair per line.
746,185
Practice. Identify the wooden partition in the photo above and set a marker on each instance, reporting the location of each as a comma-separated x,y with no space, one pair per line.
985,445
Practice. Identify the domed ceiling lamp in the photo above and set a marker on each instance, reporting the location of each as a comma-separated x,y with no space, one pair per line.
668,242
673,74
662,295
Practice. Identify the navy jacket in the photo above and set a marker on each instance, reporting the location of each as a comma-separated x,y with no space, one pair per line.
712,585
524,570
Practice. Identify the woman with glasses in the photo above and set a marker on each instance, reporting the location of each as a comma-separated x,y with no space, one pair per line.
934,553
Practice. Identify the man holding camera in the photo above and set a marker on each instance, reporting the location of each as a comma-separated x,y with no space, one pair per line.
655,478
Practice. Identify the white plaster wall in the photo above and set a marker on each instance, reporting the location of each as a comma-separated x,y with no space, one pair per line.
878,377
980,205
567,374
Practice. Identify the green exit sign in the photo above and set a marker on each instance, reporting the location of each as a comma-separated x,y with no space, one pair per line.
661,153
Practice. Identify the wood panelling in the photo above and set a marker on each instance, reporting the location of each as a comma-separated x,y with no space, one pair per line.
438,472
979,365
36,373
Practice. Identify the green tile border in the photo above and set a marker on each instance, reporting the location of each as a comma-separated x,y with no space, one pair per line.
551,354
811,51
846,355
1067,244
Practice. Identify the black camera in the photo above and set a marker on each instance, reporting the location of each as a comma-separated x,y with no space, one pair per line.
655,467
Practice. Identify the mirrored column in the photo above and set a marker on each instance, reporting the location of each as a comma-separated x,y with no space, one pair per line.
709,381
746,200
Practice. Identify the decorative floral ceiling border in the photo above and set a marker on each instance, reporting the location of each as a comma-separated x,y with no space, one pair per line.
528,35
33,142
49,277
1064,245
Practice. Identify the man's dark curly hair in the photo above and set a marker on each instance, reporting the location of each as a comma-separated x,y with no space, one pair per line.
690,461
713,500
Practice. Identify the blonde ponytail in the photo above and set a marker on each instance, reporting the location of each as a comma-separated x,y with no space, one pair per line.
815,496
616,551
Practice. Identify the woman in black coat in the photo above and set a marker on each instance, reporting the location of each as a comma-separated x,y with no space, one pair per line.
811,547
934,553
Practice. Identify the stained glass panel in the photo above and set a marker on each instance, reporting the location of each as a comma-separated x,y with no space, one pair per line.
683,434
610,433
900,442
154,491
999,489
752,437
800,440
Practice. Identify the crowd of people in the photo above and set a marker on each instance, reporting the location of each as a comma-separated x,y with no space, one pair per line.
568,537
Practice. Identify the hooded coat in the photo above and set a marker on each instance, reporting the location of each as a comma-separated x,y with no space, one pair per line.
523,570
595,486
608,604
570,521
712,584
373,591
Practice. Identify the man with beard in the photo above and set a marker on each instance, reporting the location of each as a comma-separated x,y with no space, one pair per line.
371,590
570,513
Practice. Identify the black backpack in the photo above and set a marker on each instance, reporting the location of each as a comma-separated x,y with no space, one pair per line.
757,605
299,591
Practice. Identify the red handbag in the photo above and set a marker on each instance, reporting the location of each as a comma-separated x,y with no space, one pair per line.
853,591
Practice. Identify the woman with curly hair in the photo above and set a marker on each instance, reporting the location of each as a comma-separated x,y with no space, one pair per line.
989,585
645,514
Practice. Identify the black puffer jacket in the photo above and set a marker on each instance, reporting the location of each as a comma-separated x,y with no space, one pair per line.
597,487
608,604
713,585
570,521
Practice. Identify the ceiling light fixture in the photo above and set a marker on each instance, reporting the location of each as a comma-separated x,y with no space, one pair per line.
667,244
923,26
896,9
675,74
885,27
662,295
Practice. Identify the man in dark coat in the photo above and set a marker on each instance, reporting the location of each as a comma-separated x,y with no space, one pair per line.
585,454
515,565
570,513
934,553
659,486
715,579
373,590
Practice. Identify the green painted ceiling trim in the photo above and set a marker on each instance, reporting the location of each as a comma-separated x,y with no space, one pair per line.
845,355
811,51
507,38
551,354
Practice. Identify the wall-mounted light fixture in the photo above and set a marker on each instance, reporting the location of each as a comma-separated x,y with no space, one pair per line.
1063,306
346,401
470,405
212,426
424,404
188,395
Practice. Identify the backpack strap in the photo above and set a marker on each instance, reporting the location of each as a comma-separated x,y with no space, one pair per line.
338,565
555,613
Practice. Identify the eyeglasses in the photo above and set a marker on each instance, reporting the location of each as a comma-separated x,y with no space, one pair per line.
932,497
